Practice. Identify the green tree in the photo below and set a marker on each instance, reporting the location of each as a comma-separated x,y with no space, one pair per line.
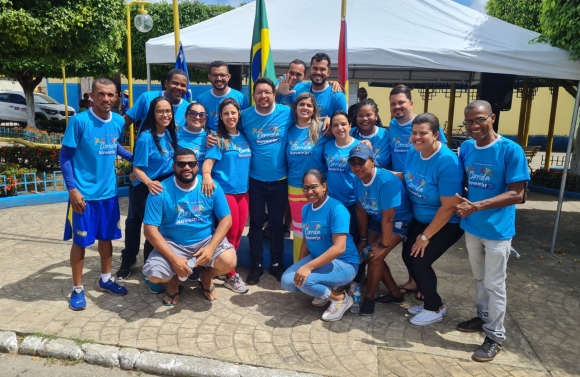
38,36
523,13
190,12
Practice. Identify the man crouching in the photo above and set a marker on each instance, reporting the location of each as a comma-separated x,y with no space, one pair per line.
179,224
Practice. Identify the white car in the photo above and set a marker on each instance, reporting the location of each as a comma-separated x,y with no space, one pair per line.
13,107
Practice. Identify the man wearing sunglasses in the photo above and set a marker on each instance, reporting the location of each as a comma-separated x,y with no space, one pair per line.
219,76
179,224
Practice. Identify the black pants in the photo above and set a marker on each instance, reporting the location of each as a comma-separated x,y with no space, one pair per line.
421,268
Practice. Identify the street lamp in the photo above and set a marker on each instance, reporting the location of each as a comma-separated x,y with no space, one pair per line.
143,23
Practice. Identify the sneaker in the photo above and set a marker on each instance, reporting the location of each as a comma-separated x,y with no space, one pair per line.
111,286
427,317
319,301
236,284
473,325
390,299
125,270
277,271
337,309
77,300
419,308
367,307
254,275
286,234
487,351
153,287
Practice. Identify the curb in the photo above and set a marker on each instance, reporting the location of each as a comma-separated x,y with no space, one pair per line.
128,358
46,198
553,192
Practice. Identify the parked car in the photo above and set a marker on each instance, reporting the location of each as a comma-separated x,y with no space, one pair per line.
13,107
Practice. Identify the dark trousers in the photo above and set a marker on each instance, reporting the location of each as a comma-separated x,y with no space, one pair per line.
421,268
137,200
275,196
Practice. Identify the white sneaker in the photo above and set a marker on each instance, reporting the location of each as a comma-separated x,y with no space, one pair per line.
236,284
419,308
319,301
427,317
222,277
337,309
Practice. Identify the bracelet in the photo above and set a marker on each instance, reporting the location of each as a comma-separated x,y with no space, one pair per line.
363,239
383,246
206,173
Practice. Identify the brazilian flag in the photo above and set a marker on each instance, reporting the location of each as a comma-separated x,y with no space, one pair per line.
261,62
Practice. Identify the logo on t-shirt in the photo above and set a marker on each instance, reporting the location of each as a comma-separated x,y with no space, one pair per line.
301,146
312,231
243,149
416,185
107,145
479,175
189,212
268,134
401,146
337,163
369,204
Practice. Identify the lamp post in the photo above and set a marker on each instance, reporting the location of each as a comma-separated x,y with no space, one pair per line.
143,23
176,26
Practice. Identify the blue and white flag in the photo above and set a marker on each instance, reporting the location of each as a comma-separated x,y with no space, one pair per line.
180,63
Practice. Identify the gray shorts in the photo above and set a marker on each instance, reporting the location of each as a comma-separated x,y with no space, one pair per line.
158,266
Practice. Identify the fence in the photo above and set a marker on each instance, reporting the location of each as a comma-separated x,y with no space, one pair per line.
31,134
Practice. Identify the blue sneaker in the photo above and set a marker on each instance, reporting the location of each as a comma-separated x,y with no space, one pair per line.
153,287
77,300
112,287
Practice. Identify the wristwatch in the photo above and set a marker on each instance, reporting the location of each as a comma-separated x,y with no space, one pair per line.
424,237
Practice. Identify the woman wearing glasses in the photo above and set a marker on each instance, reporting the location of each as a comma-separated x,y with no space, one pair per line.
194,135
153,157
228,164
328,255
433,177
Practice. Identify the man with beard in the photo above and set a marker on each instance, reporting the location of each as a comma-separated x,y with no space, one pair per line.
219,76
179,224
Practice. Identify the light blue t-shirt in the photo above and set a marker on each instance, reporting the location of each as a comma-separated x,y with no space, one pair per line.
302,155
211,102
401,142
140,108
95,143
267,135
340,176
185,217
147,157
327,101
383,192
319,224
381,142
489,171
196,141
429,179
232,164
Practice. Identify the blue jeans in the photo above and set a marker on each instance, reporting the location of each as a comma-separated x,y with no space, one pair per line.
275,196
321,280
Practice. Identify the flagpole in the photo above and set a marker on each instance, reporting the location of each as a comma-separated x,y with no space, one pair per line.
343,17
176,26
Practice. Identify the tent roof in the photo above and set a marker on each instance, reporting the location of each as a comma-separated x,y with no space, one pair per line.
400,40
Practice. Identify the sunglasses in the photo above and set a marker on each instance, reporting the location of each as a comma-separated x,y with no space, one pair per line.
354,163
181,164
195,114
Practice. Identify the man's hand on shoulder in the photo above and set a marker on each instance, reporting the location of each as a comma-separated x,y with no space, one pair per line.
77,201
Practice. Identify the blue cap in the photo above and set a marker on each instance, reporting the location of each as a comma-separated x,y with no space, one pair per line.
362,151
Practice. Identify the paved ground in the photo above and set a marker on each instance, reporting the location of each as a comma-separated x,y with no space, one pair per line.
269,327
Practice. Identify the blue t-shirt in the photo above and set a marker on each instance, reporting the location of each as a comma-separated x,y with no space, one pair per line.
340,176
383,192
401,142
194,141
319,224
95,143
211,102
267,135
429,179
489,170
147,157
327,101
185,217
381,142
140,108
232,164
302,155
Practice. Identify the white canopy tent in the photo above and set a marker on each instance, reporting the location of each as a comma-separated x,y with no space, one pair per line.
422,41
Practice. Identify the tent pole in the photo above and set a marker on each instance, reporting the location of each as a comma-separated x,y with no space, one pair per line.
148,77
526,134
565,172
426,107
449,130
523,111
550,141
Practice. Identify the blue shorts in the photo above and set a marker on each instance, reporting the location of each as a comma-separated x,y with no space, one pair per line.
400,228
101,221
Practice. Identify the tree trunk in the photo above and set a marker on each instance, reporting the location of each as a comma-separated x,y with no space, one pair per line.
29,81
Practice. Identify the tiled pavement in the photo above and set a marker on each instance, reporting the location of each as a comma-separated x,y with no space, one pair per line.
272,328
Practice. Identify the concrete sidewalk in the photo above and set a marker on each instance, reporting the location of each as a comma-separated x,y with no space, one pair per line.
271,328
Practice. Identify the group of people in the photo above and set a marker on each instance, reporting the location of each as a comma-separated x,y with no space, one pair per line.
355,190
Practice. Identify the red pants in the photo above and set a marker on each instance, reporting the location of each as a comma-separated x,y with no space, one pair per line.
238,204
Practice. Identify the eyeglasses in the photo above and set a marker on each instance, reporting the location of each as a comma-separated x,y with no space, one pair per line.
479,121
195,114
260,94
181,164
163,112
218,76
356,163
310,188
